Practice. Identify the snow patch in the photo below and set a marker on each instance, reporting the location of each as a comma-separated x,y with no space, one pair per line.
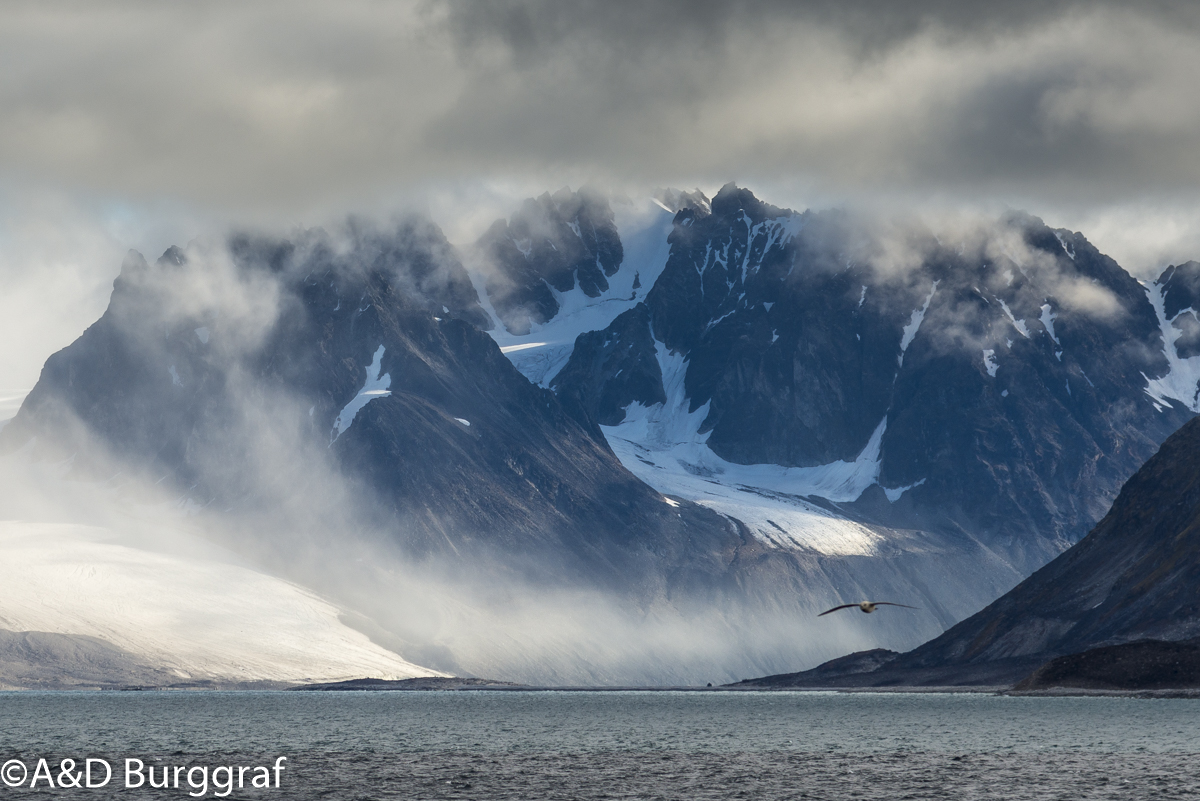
545,350
914,323
1183,375
1017,324
375,386
893,495
662,446
989,362
522,346
1067,248
1047,321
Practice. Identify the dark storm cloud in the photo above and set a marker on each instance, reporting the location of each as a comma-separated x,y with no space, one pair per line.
532,27
1055,98
278,105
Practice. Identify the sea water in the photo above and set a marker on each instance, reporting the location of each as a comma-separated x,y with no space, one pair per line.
605,745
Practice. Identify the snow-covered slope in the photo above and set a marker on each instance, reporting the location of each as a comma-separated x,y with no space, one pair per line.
661,445
200,620
781,369
542,352
1182,380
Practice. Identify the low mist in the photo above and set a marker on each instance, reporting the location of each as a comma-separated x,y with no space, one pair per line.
261,490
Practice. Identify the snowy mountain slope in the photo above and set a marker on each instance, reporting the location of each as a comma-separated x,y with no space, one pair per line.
306,394
196,620
1175,296
992,388
552,245
813,418
661,445
541,351
762,497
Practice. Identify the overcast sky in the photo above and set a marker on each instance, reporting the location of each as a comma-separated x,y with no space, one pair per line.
143,122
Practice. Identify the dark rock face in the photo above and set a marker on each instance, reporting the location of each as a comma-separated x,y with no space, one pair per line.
1144,665
1181,299
1133,577
836,671
879,668
456,451
557,241
613,368
1011,371
1118,610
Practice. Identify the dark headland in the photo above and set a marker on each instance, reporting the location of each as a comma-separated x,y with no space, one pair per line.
1119,611
419,683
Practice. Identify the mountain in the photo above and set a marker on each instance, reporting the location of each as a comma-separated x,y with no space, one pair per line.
328,407
994,390
375,355
811,373
1134,577
1106,610
550,246
630,442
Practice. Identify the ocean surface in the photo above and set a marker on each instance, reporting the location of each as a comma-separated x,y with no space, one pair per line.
602,745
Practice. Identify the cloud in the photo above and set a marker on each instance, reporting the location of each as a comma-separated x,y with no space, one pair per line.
294,105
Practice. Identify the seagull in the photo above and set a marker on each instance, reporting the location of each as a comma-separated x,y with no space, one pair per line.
866,606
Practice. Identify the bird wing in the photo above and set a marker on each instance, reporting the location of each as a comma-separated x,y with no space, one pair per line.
889,603
834,609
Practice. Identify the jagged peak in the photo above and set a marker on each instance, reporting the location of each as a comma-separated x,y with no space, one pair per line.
173,256
732,200
134,264
676,200
1188,270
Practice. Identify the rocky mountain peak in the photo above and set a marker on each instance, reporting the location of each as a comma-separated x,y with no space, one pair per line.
551,244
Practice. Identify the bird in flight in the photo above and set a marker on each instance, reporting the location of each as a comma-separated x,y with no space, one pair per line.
866,606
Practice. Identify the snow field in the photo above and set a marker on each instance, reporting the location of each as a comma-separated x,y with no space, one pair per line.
200,619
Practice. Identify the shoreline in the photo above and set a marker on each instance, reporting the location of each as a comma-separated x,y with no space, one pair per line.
1054,692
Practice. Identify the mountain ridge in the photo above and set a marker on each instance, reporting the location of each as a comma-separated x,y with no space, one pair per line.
745,409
